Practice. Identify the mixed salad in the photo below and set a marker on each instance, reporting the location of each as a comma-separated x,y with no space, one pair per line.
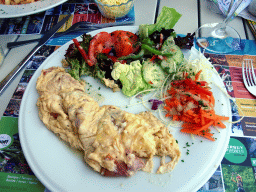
131,62
151,61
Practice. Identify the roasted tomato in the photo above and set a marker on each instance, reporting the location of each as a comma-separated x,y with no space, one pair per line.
100,42
124,42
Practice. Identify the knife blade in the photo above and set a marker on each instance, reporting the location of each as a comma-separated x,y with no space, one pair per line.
80,27
8,79
52,31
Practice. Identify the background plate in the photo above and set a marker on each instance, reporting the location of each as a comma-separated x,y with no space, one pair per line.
60,168
8,11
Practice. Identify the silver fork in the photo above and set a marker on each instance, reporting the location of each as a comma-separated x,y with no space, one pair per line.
249,76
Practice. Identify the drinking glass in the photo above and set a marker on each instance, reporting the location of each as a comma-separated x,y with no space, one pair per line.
219,37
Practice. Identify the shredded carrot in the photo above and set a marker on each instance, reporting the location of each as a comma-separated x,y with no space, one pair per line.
192,102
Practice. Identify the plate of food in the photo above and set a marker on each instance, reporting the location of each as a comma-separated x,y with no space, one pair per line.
11,8
113,110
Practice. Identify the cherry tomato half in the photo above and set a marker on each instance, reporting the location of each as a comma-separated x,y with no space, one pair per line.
99,42
124,42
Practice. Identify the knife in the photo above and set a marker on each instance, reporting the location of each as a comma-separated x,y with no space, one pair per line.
8,79
80,27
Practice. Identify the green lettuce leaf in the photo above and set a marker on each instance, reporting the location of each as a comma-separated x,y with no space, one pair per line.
75,68
130,77
166,19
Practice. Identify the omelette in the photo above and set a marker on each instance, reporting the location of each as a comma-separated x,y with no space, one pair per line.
113,141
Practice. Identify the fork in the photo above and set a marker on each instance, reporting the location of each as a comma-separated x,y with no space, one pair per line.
249,76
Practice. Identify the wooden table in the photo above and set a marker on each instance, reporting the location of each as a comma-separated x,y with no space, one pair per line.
194,13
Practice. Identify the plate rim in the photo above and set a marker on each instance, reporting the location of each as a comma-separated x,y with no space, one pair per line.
28,9
197,186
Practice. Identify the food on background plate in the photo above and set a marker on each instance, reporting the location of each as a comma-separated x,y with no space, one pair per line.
16,2
113,2
115,142
114,8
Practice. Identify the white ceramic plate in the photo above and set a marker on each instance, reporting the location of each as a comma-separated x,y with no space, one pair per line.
8,11
60,168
